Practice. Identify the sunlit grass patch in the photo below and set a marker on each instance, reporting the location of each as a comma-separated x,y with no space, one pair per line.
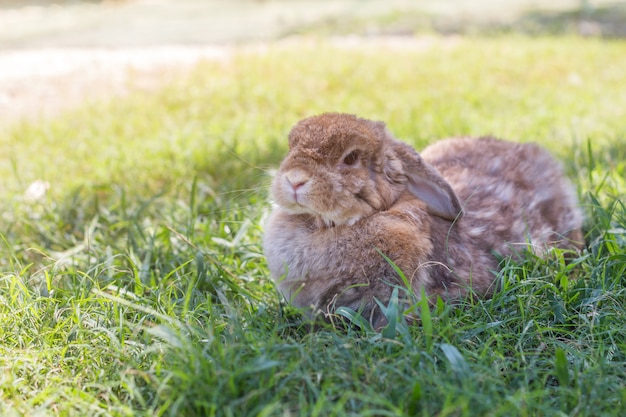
135,283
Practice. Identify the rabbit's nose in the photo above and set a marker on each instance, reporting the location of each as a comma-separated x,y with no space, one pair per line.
297,185
297,179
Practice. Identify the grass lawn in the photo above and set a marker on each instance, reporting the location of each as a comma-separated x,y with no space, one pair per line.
137,285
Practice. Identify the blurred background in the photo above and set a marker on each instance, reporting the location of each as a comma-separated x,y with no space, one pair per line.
54,54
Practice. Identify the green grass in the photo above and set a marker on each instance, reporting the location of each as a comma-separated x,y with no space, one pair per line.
137,285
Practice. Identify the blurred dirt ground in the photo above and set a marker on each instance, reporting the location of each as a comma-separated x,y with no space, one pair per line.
40,82
56,54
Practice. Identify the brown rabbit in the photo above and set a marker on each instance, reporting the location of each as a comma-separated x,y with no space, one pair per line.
348,192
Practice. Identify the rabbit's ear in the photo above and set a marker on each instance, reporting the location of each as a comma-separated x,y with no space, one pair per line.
425,183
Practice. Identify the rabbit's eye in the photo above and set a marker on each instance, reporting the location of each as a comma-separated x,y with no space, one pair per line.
351,158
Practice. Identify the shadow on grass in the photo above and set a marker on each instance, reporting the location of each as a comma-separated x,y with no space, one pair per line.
606,21
603,21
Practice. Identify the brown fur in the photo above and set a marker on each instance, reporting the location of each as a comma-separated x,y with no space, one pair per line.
442,217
